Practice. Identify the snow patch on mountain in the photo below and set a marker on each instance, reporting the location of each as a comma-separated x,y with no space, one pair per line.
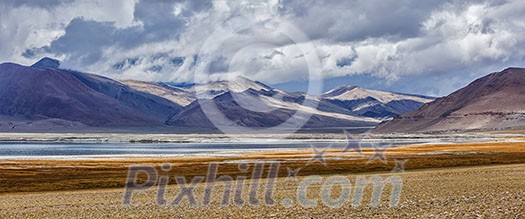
346,92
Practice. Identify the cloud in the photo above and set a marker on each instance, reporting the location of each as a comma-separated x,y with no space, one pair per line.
453,38
49,4
391,41
353,20
37,24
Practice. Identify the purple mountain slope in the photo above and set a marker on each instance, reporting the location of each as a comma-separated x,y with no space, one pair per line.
43,91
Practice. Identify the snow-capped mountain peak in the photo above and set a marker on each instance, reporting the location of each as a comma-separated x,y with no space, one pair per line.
238,85
374,103
346,92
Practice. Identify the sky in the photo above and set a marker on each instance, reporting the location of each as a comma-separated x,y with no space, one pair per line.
428,47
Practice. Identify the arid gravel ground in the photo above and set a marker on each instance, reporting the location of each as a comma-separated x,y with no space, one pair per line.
465,192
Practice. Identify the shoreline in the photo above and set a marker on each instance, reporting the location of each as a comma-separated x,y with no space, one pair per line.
238,152
223,138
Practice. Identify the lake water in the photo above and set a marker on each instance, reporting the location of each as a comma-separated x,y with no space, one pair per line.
102,149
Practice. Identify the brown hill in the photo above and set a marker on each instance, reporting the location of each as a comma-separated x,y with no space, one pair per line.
496,101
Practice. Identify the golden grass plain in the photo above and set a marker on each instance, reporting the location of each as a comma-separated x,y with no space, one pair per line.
57,175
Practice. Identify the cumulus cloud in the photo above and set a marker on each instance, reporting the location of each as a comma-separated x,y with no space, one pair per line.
392,41
29,26
452,38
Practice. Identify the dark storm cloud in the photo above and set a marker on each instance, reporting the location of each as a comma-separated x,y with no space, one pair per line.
158,20
84,40
220,64
47,4
359,19
154,12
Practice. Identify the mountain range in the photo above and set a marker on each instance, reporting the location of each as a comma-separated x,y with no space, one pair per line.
41,96
45,97
496,101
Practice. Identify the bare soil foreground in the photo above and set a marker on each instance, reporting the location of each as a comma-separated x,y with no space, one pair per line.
466,192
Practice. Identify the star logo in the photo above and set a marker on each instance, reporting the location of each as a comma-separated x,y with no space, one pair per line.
351,145
379,154
318,156
399,166
293,172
